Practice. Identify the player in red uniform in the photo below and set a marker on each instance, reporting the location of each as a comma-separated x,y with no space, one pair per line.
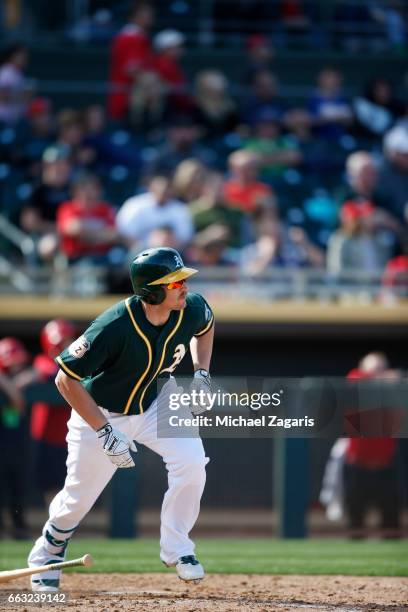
14,359
370,468
48,425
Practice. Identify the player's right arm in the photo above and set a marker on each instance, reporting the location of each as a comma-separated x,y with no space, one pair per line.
87,354
114,443
80,400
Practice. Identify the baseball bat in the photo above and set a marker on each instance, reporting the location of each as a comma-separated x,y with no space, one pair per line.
86,560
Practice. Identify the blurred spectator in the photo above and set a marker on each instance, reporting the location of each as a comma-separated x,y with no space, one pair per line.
96,26
392,15
209,248
331,113
320,161
356,246
111,147
86,224
162,237
14,87
370,470
278,245
189,180
148,106
39,216
169,47
209,209
48,424
157,209
71,135
276,151
393,174
362,174
263,97
14,359
181,142
395,277
131,55
260,55
215,110
40,133
244,190
376,110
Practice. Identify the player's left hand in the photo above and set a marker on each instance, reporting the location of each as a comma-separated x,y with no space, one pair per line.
201,384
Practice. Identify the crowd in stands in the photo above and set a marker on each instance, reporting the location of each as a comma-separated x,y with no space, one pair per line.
347,25
247,181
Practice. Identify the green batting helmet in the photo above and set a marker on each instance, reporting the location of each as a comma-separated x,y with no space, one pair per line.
156,267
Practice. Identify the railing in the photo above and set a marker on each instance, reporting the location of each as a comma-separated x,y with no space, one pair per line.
298,284
86,280
102,88
209,23
18,238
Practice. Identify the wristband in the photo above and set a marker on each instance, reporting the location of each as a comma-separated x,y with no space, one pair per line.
104,430
201,373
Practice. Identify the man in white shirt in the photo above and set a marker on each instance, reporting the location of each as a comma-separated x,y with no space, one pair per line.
141,215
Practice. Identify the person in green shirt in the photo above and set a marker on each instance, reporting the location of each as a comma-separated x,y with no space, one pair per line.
277,152
109,376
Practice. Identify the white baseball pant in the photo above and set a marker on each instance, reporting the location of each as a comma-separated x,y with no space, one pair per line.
89,471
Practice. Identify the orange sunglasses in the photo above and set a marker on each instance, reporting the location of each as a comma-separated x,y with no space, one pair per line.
176,284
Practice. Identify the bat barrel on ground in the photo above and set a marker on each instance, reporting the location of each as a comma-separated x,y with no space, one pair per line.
86,560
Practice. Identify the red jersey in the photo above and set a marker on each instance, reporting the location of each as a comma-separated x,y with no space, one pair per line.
130,50
396,272
101,216
371,453
48,422
374,453
245,197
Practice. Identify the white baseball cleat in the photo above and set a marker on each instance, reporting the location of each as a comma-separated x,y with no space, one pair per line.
43,586
46,582
189,569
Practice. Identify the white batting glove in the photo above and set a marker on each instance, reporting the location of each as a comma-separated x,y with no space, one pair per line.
116,446
202,386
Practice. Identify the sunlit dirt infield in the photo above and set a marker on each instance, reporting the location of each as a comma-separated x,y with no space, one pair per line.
219,593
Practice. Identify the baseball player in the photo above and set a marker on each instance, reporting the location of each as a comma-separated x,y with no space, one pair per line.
14,360
48,423
109,377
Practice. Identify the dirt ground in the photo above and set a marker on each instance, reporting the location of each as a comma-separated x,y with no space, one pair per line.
218,593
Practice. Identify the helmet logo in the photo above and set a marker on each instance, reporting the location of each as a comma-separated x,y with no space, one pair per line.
179,261
78,348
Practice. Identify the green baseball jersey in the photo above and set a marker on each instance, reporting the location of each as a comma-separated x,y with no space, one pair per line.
121,354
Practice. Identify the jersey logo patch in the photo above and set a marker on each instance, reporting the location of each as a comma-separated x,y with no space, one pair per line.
207,313
78,348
